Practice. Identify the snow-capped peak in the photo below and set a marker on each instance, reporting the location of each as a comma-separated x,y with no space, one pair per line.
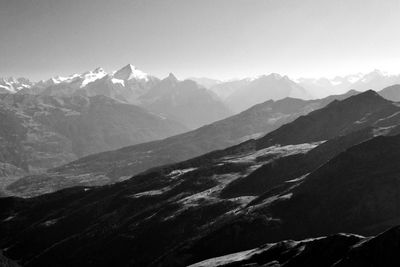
13,85
91,76
80,79
130,72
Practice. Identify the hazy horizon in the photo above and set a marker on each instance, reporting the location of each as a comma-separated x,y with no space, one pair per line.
215,39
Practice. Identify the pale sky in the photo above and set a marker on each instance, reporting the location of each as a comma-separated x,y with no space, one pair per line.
213,38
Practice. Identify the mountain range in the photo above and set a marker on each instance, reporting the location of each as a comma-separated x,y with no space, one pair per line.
375,79
184,101
112,166
329,171
240,94
273,86
181,105
128,169
169,97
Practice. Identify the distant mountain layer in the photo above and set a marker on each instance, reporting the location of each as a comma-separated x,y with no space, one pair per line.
391,92
375,80
344,178
273,87
184,101
206,100
121,164
243,93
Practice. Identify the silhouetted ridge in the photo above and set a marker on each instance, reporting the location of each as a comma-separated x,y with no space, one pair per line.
339,250
381,250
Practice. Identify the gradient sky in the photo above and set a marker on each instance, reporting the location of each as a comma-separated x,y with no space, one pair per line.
213,38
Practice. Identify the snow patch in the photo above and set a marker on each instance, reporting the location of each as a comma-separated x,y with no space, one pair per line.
49,222
382,130
176,173
226,259
273,151
9,218
151,192
299,179
117,81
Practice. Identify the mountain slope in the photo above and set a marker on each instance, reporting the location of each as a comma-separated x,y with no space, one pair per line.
338,118
356,191
130,218
40,132
184,101
121,164
175,215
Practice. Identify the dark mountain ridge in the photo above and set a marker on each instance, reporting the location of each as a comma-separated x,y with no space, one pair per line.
335,250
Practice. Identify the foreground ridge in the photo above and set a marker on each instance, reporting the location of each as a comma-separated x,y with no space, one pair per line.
339,250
